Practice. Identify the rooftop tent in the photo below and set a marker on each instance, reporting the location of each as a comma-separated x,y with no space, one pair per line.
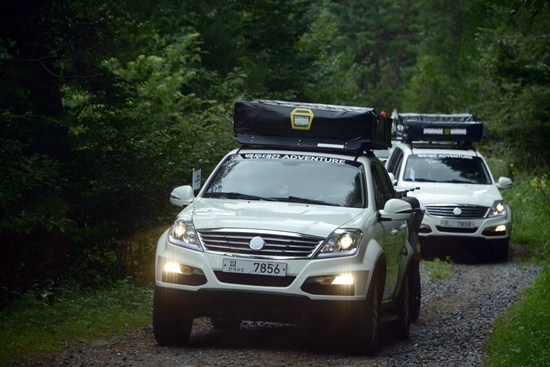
438,127
297,125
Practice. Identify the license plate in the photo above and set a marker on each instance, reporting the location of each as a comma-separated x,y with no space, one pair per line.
254,267
458,224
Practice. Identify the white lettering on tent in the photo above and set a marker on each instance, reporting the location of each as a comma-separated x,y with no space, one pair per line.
446,131
433,131
459,132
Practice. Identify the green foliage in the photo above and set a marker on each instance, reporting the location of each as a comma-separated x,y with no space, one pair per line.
375,44
446,46
512,78
95,134
529,200
249,37
138,142
26,182
438,269
36,325
32,212
522,336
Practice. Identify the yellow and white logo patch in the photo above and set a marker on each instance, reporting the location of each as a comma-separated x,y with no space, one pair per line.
301,118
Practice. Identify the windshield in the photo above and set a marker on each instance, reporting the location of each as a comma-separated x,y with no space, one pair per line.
452,168
289,178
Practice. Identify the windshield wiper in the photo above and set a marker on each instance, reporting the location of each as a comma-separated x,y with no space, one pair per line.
236,195
460,181
297,199
420,180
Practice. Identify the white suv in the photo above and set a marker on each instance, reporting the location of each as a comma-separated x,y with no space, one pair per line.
465,216
293,228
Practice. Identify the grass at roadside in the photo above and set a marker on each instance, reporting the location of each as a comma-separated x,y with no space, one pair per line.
529,199
31,325
522,336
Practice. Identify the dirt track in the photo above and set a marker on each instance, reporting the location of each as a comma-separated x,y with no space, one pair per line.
455,320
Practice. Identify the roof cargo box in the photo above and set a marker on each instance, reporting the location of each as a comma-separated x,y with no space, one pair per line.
436,127
310,126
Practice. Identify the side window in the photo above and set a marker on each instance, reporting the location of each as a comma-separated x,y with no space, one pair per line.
383,188
395,161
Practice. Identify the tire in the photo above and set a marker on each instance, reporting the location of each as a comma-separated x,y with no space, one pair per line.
500,252
416,294
225,323
171,326
365,335
403,322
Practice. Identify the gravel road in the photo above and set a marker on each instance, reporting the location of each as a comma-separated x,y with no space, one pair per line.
455,320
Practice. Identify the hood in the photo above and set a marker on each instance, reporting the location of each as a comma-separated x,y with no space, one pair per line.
464,194
315,220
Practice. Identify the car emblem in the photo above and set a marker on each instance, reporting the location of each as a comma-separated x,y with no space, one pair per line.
257,243
457,211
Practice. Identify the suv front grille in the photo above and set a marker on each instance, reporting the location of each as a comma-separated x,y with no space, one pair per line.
276,244
467,211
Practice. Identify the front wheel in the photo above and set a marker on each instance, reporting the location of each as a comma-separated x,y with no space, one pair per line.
171,325
403,322
365,335
416,294
500,251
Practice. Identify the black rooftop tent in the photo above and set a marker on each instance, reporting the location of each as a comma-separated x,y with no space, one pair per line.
297,125
439,127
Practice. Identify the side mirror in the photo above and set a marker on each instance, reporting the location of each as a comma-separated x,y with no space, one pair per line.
182,195
504,183
396,209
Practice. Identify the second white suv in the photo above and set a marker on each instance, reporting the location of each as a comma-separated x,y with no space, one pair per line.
465,212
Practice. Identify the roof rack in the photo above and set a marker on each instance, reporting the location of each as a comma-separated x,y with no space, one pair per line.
461,128
310,126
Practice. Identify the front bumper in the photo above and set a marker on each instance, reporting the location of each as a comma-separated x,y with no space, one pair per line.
209,291
486,229
464,244
261,306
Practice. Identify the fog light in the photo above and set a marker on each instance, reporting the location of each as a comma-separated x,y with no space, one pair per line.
424,228
343,279
171,267
501,228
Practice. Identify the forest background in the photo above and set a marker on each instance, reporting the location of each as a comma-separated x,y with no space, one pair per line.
106,106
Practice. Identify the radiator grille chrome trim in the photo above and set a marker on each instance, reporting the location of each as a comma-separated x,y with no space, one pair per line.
281,245
466,211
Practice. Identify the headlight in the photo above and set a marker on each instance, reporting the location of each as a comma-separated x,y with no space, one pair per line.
342,242
498,209
182,233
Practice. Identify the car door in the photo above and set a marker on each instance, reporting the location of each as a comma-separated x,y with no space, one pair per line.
395,232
